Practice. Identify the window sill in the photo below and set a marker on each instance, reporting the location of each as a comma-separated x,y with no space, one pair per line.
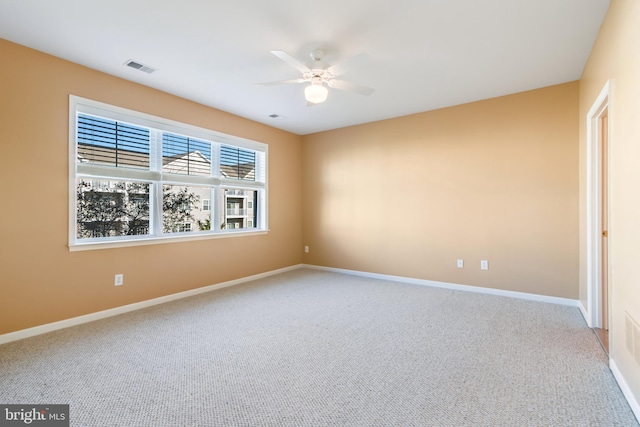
87,246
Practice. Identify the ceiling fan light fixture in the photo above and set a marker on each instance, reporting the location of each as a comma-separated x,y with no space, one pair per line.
316,93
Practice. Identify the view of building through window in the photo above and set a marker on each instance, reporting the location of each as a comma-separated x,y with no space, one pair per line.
239,212
112,208
120,208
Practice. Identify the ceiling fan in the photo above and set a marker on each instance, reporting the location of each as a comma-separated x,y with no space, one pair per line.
319,75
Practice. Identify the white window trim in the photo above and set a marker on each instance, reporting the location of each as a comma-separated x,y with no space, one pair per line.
87,106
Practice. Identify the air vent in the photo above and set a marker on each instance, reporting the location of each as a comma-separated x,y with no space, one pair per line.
138,66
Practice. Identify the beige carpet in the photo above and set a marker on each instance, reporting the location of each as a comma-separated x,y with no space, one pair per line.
313,348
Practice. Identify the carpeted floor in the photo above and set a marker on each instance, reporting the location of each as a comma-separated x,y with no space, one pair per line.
313,348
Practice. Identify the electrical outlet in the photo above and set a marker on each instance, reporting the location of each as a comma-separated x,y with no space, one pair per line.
460,263
484,264
119,280
306,249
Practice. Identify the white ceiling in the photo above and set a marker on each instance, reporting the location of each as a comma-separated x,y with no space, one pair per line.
419,55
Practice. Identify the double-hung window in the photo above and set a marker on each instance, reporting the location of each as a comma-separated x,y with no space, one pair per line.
138,179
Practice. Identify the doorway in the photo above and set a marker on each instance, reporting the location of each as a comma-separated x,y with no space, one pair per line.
598,201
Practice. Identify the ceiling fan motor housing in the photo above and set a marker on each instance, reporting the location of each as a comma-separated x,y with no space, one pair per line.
318,75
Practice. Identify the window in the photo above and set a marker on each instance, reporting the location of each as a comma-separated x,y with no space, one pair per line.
136,179
186,227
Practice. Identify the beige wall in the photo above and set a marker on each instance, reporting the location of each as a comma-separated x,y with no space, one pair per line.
494,180
616,56
40,280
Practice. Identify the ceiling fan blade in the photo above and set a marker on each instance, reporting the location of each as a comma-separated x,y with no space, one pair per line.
350,87
281,82
348,64
291,61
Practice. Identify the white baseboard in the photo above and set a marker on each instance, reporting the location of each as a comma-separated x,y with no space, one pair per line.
585,314
49,327
43,329
467,288
626,390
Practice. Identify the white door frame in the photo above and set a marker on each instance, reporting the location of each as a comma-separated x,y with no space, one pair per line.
594,205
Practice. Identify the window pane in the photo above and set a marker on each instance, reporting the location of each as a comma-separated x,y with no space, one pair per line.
236,163
108,142
111,208
184,155
240,209
182,210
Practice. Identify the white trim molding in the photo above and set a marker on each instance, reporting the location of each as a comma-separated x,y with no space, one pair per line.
626,390
594,206
67,323
585,314
454,286
50,327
